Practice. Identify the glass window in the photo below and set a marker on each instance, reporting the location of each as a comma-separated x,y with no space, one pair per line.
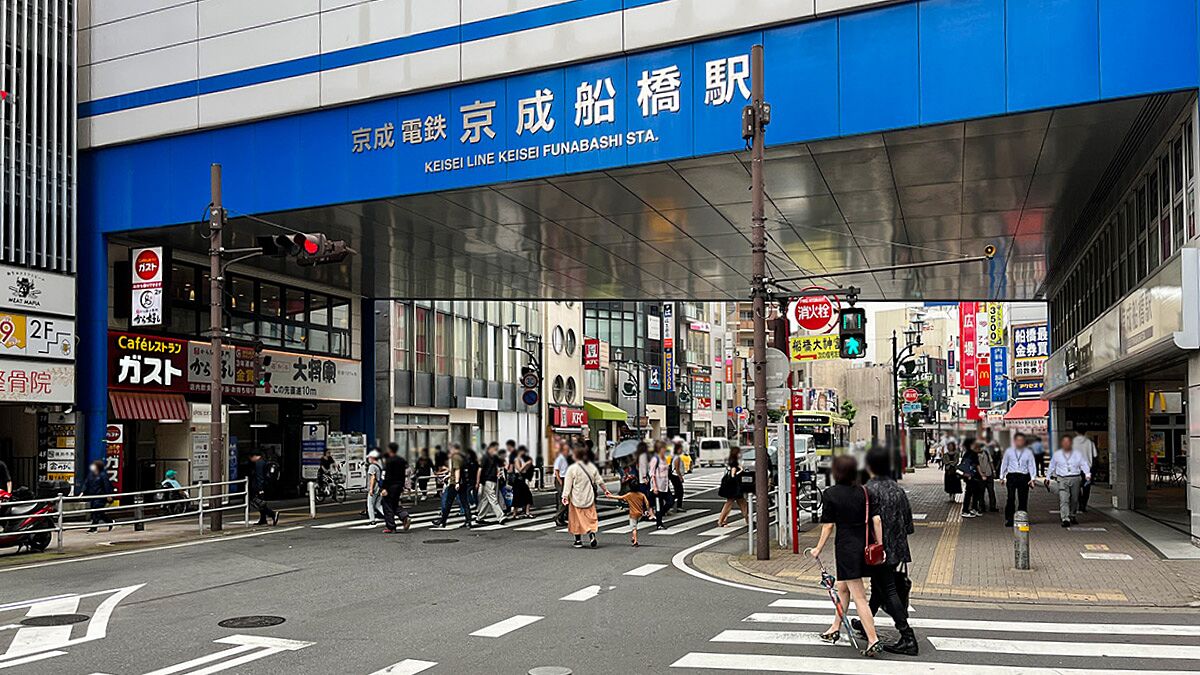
270,300
627,334
594,380
445,343
423,342
295,307
184,321
242,327
589,326
559,389
318,309
558,339
1164,172
462,346
480,357
294,337
499,344
340,314
401,333
241,294
1177,156
183,283
571,342
570,393
271,333
1178,219
318,340
339,343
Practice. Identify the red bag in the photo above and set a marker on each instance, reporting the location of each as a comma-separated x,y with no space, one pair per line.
873,553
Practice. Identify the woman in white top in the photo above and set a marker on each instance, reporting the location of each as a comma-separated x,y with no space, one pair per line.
660,482
580,486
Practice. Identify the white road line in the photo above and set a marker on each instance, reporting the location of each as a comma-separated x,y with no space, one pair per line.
502,628
604,523
514,522
795,603
644,571
32,639
366,524
26,603
1039,627
841,666
1159,652
165,547
691,524
203,660
679,561
771,637
344,523
920,516
722,531
406,667
582,595
626,529
29,659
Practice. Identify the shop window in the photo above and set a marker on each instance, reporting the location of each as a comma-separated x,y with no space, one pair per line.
183,283
241,294
184,322
295,337
318,340
271,333
339,343
318,310
340,314
296,306
594,379
270,300
401,332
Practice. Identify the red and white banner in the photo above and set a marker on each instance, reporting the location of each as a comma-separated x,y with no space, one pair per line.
570,418
147,287
966,344
591,353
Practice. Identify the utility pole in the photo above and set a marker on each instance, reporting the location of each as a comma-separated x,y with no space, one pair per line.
216,303
896,408
755,118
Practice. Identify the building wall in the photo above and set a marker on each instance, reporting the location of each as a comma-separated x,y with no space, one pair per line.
153,67
562,359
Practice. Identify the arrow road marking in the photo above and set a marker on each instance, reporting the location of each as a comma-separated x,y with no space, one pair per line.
406,667
45,642
245,649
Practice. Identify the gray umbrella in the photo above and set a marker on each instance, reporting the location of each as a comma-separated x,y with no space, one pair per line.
625,449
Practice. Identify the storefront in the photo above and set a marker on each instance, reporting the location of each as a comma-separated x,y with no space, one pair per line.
606,423
283,404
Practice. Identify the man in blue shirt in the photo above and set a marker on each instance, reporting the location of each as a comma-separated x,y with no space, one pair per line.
1017,469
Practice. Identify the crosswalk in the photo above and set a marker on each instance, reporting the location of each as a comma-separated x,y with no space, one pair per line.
783,638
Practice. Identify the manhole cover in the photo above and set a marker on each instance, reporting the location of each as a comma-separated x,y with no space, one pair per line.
440,541
251,622
55,620
550,670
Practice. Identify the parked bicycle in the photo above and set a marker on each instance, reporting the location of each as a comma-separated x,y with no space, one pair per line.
330,487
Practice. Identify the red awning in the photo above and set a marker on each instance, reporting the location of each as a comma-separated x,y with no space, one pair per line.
1028,410
135,406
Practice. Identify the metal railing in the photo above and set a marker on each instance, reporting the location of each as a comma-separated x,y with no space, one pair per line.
68,509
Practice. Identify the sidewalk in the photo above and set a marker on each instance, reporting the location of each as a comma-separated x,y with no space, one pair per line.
972,559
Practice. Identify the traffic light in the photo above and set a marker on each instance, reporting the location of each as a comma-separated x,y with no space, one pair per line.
261,362
852,333
309,249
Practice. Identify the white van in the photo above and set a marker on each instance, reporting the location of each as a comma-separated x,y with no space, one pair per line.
713,451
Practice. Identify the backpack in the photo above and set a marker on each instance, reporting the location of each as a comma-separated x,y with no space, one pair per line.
273,471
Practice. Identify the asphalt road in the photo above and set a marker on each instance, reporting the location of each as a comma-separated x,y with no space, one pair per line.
357,601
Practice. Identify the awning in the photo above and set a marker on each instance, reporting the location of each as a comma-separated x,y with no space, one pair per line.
1028,410
599,410
135,406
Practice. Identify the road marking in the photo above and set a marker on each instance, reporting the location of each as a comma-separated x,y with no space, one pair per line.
165,547
793,603
1076,528
679,561
841,666
26,603
33,639
920,516
514,522
507,626
683,527
941,572
603,523
770,637
583,594
722,531
645,570
626,529
406,667
1040,627
203,660
97,626
29,659
245,649
1159,652
1105,556
345,523
424,517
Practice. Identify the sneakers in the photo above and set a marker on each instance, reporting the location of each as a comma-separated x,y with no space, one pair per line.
1066,523
970,514
407,522
577,544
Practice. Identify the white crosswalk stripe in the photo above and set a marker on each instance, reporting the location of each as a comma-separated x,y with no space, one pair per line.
626,529
964,646
406,667
677,528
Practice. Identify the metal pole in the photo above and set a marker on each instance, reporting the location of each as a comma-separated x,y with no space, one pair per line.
795,511
60,522
200,504
246,500
216,305
896,408
758,266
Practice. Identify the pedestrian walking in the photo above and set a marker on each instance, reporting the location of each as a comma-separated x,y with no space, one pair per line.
1069,469
731,488
987,480
258,477
643,454
395,476
1087,449
374,486
471,472
890,584
561,464
844,515
968,470
1039,454
951,483
1017,469
97,485
677,472
522,473
660,483
580,486
489,472
638,506
423,470
456,487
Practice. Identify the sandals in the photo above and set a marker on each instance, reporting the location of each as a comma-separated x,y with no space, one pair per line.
873,649
831,637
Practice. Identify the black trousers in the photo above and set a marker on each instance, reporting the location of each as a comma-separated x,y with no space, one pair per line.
1018,494
972,492
1084,493
452,493
663,504
989,486
677,486
265,512
889,590
391,506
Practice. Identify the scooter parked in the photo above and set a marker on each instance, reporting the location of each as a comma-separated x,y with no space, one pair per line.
34,530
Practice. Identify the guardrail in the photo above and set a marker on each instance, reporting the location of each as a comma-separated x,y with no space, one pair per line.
66,512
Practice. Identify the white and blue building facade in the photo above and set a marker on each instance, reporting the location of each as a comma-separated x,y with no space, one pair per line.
591,149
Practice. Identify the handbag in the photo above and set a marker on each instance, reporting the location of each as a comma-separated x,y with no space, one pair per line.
873,554
731,487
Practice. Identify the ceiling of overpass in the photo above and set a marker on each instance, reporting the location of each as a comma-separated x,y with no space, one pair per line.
681,229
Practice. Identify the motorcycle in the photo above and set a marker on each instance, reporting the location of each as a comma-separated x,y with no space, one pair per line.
34,530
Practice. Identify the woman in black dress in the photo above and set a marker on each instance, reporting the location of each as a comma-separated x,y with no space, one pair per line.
844,508
951,483
522,471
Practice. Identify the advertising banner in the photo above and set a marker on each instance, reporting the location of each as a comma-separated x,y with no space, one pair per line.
36,381
995,312
1031,347
814,347
312,377
146,363
56,446
668,342
591,354
26,290
238,376
966,334
567,417
999,374
114,455
654,378
201,457
37,337
312,447
146,287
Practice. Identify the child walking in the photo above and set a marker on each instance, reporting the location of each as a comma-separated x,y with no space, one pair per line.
638,507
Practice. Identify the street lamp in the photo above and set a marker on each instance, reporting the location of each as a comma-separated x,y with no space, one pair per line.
912,340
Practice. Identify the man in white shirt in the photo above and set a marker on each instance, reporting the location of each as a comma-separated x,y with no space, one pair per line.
561,463
1087,449
1017,469
1070,469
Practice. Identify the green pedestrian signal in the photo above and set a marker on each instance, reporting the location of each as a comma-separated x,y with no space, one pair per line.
852,331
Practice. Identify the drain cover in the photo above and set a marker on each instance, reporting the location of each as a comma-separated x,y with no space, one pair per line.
251,622
440,541
55,620
550,670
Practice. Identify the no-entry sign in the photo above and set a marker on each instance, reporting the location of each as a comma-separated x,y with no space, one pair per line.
911,395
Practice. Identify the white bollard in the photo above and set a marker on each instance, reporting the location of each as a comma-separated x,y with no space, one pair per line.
312,499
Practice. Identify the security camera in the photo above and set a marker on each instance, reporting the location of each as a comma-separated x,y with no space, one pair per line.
989,251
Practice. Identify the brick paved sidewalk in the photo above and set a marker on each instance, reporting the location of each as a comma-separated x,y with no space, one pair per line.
963,559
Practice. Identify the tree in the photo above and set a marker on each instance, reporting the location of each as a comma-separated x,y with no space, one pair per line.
849,410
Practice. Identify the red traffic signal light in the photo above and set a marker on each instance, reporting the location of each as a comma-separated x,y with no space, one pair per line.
310,244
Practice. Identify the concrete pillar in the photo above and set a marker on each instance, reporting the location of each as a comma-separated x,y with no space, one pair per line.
1193,444
1127,443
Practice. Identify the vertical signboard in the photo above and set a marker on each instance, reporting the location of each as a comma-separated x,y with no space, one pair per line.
591,353
668,342
966,341
312,447
983,356
995,312
201,457
999,374
146,287
56,446
114,455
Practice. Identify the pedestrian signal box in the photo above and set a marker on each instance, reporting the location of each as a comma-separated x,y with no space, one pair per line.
852,331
